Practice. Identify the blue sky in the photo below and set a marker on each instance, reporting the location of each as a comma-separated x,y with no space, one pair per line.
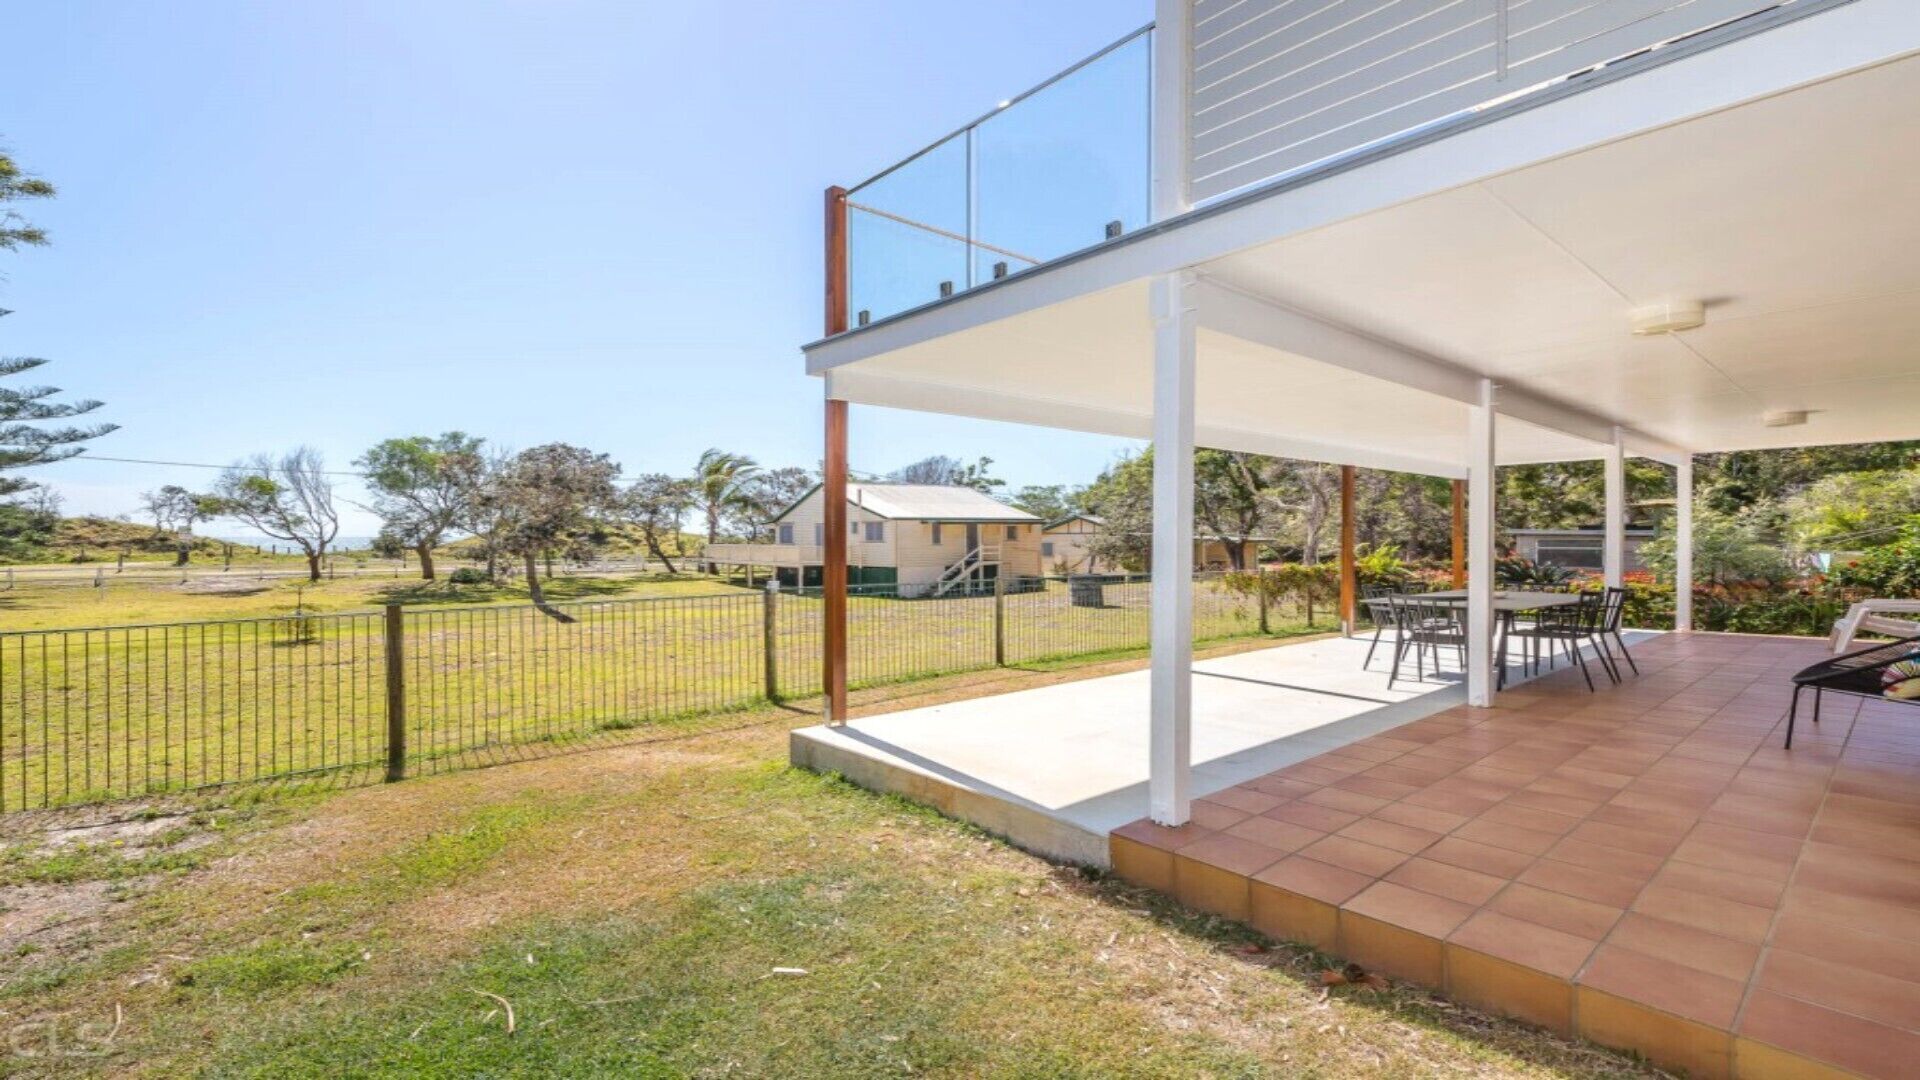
596,222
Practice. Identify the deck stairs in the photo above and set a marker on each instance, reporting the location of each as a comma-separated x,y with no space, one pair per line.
966,570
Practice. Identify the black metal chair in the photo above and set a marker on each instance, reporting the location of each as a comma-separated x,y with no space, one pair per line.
1378,600
1856,674
1611,609
1570,626
1426,625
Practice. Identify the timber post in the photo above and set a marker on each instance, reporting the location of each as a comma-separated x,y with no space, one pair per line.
1459,534
1348,571
396,652
833,572
769,622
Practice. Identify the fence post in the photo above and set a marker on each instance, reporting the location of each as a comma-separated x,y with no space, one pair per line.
769,607
396,693
1260,589
1000,617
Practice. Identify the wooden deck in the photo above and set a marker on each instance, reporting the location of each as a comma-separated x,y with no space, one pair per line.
1643,866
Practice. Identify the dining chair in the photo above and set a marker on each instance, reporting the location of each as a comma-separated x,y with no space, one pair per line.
1435,625
1613,608
1379,604
1571,626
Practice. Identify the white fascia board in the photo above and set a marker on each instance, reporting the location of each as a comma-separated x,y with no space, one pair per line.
948,399
1820,46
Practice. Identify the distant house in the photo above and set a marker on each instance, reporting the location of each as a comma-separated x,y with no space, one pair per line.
1575,549
919,538
1067,546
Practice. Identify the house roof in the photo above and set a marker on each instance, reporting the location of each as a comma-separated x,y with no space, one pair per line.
924,502
1070,518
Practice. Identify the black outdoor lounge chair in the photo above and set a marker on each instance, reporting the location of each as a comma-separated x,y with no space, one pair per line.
1856,673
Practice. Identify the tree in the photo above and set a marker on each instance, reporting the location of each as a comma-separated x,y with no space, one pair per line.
1306,496
1853,510
1122,496
770,491
16,185
1230,500
1728,549
27,523
1733,481
421,487
484,517
288,499
943,471
23,443
722,484
174,510
1048,502
550,499
655,504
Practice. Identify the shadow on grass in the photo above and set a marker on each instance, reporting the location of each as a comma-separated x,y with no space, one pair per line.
1302,965
423,593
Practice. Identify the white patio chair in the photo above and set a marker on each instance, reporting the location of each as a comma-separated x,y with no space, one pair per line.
1870,616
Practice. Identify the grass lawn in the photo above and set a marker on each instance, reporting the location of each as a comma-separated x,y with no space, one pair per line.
139,709
240,598
635,909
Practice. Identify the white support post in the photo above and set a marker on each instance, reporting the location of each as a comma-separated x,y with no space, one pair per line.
1613,552
1171,61
1170,758
1480,502
1683,544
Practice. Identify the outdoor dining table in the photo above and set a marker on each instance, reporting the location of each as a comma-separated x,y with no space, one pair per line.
1506,604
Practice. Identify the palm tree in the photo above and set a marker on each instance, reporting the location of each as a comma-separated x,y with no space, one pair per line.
722,484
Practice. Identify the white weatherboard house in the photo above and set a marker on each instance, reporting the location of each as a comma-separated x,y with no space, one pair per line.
1435,237
919,538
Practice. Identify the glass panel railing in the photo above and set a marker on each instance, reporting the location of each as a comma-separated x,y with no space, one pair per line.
907,232
1054,173
1061,168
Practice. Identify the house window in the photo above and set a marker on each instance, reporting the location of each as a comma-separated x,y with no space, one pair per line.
1572,554
1013,532
876,531
1046,548
936,533
819,534
786,533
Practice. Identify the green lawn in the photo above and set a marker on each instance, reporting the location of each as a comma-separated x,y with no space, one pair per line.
632,908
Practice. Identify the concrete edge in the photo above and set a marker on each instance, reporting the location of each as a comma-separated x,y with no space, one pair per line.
1026,827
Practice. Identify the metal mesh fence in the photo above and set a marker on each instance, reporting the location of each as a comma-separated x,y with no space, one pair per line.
94,714
103,713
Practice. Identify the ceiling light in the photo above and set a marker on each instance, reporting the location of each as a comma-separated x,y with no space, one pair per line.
1784,417
1669,316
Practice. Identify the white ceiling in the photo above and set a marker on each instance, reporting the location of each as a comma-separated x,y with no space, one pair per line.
1795,217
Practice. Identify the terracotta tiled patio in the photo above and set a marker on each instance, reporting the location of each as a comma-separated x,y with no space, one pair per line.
1644,866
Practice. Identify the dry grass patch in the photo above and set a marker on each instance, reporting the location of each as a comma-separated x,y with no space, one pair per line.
646,910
